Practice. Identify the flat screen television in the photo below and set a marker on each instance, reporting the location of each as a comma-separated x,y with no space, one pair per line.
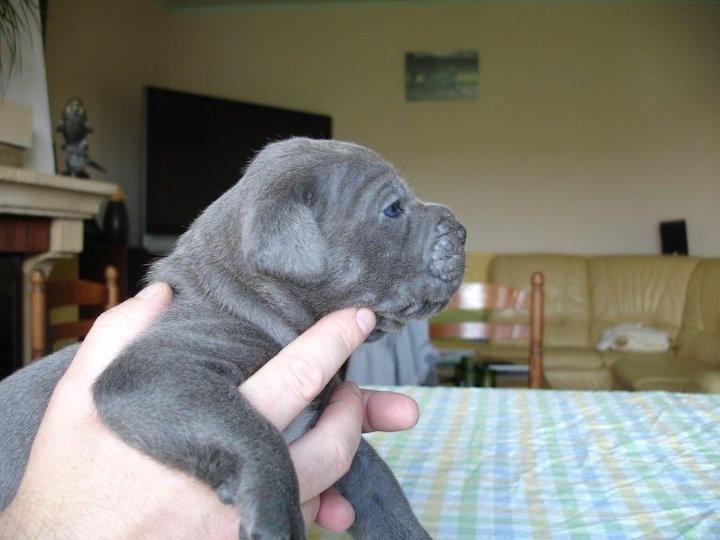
197,146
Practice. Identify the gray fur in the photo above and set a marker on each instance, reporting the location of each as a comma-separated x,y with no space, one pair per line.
303,233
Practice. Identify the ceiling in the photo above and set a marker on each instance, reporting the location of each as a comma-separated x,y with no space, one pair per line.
257,5
275,5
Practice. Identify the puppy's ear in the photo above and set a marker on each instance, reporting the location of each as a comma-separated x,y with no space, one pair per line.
285,241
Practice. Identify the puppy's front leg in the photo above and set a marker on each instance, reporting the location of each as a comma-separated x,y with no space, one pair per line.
381,509
195,420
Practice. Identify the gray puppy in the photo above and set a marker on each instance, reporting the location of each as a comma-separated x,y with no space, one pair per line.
311,227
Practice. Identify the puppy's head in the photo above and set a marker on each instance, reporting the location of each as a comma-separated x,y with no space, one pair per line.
336,223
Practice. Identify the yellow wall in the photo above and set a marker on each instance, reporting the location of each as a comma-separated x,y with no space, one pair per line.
476,265
593,123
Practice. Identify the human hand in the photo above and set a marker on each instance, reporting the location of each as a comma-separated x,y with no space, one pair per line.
82,481
81,478
324,454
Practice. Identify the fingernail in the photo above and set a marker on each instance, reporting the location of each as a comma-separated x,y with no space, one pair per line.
150,291
365,320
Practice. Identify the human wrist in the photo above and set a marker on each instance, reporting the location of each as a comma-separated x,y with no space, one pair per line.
33,516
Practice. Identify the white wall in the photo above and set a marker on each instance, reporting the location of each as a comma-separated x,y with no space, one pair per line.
104,52
594,122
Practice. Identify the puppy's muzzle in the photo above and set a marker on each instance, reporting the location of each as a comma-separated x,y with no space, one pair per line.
447,257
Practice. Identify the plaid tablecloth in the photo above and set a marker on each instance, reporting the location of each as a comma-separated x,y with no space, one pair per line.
508,463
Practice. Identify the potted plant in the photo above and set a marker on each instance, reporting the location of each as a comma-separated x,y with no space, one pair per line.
16,20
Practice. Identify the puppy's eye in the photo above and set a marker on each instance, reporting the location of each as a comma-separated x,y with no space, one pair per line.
394,210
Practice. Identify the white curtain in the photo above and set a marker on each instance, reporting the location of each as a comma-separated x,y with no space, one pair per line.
405,358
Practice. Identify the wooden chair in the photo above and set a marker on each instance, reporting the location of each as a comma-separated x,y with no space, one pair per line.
479,297
48,295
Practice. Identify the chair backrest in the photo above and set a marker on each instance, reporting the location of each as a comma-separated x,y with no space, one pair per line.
477,297
47,295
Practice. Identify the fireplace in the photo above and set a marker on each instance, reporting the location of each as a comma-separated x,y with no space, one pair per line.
41,221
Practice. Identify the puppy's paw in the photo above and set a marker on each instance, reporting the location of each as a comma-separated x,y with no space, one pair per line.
373,531
264,516
280,526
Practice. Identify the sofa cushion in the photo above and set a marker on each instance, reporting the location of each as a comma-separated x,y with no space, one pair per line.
659,372
610,358
598,379
567,358
708,382
638,289
566,313
699,338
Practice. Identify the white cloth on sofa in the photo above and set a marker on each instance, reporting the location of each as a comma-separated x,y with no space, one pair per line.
634,337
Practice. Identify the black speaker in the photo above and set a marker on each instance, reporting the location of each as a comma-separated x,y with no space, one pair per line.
673,237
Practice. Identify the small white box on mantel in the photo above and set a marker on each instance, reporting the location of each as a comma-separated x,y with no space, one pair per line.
16,125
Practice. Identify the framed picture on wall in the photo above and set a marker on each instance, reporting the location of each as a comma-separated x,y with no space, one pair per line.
435,76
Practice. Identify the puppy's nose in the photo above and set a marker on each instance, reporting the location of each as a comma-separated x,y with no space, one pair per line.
448,222
454,225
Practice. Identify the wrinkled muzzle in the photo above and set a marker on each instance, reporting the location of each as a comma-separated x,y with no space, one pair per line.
447,253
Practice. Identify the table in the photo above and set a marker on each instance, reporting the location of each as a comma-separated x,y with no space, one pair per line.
517,463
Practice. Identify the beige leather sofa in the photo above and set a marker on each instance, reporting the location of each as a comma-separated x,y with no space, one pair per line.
585,296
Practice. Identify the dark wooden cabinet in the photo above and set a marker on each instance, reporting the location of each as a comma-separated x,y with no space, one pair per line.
130,262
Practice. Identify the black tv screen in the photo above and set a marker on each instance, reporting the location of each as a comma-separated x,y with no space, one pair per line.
196,147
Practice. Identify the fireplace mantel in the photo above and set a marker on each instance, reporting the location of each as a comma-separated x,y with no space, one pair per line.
55,207
31,193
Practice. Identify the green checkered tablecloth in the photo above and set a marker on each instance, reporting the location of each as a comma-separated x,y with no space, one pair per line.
509,463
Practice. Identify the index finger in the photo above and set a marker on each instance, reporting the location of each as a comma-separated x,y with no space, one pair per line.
287,384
